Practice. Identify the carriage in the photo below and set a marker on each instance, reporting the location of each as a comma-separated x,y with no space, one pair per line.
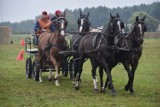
32,68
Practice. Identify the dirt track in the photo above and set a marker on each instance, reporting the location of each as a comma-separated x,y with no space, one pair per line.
152,35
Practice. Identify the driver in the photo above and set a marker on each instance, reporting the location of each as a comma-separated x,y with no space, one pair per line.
43,23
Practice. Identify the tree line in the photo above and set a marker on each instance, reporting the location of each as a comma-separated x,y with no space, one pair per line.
99,16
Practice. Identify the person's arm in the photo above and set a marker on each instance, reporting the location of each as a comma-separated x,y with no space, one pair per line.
52,27
36,28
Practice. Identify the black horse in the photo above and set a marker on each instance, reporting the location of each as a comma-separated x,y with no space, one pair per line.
83,28
99,48
130,51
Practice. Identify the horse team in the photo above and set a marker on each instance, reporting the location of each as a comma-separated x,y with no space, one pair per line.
105,50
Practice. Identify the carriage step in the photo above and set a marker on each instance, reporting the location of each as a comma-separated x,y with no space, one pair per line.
33,51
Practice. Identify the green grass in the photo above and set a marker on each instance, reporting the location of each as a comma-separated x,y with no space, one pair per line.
18,91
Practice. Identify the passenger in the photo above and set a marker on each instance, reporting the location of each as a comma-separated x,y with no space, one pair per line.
53,19
56,15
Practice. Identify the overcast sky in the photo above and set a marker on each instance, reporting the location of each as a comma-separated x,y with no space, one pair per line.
18,10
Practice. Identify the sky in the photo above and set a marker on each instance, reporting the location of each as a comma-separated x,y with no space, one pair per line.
18,10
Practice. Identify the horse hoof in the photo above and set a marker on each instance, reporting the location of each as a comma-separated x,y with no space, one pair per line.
40,81
49,79
102,91
56,82
109,87
76,88
113,93
96,91
132,91
126,87
73,82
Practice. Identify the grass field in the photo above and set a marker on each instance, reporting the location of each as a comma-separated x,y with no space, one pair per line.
18,91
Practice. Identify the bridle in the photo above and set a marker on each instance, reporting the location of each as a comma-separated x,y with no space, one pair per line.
140,35
142,23
137,37
83,24
114,21
63,23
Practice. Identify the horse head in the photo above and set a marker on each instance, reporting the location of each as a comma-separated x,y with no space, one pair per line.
83,23
116,26
139,29
61,23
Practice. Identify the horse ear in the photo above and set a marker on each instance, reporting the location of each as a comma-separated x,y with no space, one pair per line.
122,25
117,15
80,14
143,18
137,18
145,28
111,16
78,21
87,14
64,13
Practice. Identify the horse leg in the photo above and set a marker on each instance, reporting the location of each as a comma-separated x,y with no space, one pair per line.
56,76
101,77
78,75
40,63
75,68
57,70
40,75
134,67
109,86
105,66
130,76
95,81
106,83
50,74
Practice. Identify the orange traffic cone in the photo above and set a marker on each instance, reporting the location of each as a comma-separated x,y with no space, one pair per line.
22,42
20,55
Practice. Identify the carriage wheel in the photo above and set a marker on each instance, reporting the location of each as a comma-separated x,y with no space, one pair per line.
28,68
35,71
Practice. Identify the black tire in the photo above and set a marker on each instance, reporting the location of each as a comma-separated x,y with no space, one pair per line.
35,71
28,68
